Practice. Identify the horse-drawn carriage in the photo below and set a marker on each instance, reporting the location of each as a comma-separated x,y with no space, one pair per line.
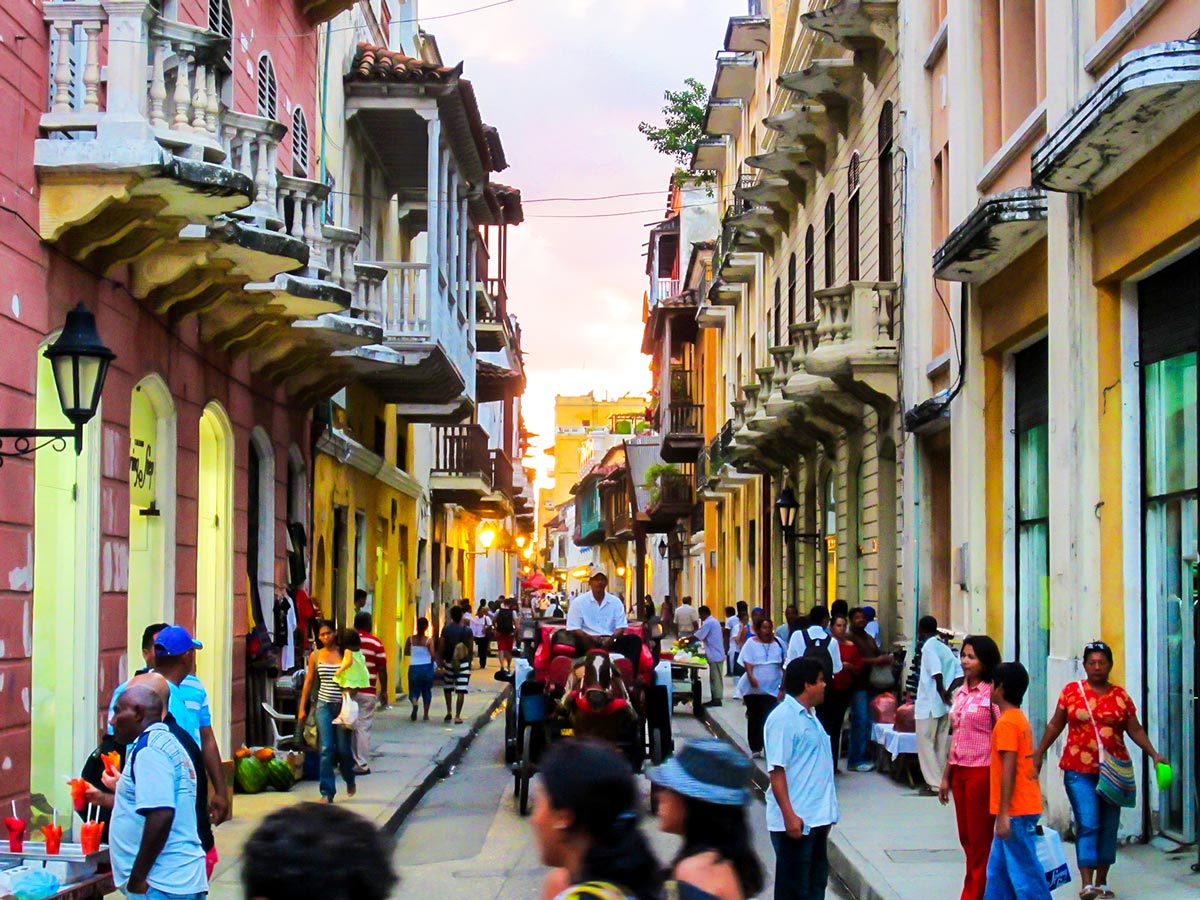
613,694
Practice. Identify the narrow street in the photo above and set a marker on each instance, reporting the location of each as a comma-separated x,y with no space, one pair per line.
465,838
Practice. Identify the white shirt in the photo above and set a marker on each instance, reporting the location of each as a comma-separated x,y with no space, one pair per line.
479,624
687,620
767,660
795,741
160,776
734,625
601,618
797,646
872,628
936,659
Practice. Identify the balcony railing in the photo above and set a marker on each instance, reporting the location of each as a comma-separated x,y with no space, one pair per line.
502,473
674,491
686,418
618,512
462,450
666,287
681,384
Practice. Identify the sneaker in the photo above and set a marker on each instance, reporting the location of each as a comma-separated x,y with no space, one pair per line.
362,770
864,767
757,754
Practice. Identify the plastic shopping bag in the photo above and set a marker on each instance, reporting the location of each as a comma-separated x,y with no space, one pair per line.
349,712
1053,857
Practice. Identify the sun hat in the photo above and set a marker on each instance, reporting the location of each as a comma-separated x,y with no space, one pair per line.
708,770
175,640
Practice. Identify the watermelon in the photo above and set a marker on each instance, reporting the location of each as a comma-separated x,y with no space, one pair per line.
280,776
250,775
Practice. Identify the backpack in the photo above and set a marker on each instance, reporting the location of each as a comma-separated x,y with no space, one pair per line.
504,621
818,649
465,648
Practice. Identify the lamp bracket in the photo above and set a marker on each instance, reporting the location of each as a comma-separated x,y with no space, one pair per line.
25,440
808,537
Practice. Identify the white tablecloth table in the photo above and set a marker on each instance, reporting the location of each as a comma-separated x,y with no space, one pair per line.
893,741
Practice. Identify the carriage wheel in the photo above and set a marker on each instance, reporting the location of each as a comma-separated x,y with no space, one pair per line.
656,746
525,776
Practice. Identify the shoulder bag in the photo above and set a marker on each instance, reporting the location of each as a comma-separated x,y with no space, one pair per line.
1116,784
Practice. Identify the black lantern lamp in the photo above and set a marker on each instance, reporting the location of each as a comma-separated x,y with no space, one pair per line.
80,362
786,508
663,549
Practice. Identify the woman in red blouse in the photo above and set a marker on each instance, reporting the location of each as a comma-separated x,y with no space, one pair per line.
968,771
1085,708
832,712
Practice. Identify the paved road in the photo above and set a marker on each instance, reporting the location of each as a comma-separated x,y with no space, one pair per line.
466,840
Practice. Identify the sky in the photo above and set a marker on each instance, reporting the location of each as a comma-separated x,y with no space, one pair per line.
567,82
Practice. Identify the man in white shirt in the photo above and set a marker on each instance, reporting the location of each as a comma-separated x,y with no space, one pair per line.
802,803
817,631
940,668
687,620
709,634
597,616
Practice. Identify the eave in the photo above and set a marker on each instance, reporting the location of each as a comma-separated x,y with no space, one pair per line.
993,235
748,34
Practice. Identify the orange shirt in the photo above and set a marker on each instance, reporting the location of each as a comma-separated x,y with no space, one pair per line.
1012,732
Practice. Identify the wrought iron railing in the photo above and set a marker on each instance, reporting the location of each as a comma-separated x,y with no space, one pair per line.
463,450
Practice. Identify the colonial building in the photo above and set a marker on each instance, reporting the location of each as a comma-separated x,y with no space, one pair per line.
1053,315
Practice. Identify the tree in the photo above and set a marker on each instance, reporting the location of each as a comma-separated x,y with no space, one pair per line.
684,115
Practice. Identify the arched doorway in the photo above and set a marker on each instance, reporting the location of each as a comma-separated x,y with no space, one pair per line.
151,594
214,565
66,597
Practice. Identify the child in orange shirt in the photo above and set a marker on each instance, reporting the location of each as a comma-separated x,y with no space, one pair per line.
1014,871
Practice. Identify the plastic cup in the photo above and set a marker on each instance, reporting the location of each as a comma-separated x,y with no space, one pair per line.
53,835
16,834
1165,776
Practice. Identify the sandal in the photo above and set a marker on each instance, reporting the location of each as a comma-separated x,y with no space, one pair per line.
1088,892
458,721
1103,893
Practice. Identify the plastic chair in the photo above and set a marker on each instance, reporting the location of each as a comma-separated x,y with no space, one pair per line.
274,716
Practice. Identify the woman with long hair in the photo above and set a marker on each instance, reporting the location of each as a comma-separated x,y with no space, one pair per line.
967,774
585,821
323,666
703,791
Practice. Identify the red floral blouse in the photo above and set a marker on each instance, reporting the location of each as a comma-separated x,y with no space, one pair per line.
1112,712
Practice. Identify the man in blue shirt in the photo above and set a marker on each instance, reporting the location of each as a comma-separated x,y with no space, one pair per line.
153,845
802,802
709,634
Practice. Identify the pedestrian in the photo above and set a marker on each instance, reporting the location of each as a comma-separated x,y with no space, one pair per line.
815,640
832,712
506,633
360,600
687,620
647,608
967,774
791,624
860,714
709,634
732,624
802,802
1013,869
481,624
333,740
149,633
456,646
421,651
154,847
666,611
585,823
175,660
375,695
760,686
872,626
1089,709
315,852
352,675
703,792
939,671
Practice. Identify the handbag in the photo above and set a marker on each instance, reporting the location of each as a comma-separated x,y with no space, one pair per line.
1052,856
882,678
1116,783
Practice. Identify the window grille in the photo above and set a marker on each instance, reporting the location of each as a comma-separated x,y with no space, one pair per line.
267,88
299,143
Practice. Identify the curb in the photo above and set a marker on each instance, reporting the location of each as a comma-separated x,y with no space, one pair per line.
444,765
861,879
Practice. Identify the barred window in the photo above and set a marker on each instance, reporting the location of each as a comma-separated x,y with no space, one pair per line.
267,88
852,186
299,143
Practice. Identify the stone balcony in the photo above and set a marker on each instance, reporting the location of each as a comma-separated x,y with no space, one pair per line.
855,344
835,84
808,126
865,27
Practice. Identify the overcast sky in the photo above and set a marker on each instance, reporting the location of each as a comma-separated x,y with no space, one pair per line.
567,82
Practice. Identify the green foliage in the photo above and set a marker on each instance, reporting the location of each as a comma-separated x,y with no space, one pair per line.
684,122
653,473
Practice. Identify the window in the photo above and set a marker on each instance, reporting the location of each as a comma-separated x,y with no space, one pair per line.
852,177
1032,456
810,276
886,211
791,291
1012,67
830,243
267,89
299,143
220,18
777,312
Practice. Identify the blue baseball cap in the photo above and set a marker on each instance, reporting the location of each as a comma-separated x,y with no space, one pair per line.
708,770
175,640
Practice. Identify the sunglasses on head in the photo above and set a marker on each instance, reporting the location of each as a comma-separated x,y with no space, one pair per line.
1096,645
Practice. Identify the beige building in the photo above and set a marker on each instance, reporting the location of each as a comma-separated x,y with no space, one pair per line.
803,293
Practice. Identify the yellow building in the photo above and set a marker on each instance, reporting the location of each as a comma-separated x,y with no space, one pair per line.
575,417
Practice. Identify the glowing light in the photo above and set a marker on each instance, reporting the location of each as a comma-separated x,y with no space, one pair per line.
487,537
620,571
521,540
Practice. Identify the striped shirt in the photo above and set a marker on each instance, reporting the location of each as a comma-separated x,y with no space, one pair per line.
373,652
328,692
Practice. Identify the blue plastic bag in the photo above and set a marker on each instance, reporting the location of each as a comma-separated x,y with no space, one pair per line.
34,885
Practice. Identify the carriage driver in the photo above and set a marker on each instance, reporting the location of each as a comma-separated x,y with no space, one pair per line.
596,617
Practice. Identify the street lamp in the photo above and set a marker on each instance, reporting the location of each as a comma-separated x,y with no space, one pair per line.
786,507
521,540
663,550
80,362
487,537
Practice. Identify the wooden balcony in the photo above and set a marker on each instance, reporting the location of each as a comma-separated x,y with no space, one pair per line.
671,497
499,501
462,465
616,506
684,435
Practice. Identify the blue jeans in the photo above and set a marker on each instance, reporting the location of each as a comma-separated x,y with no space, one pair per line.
420,683
1014,872
860,729
801,864
153,893
335,748
1096,821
